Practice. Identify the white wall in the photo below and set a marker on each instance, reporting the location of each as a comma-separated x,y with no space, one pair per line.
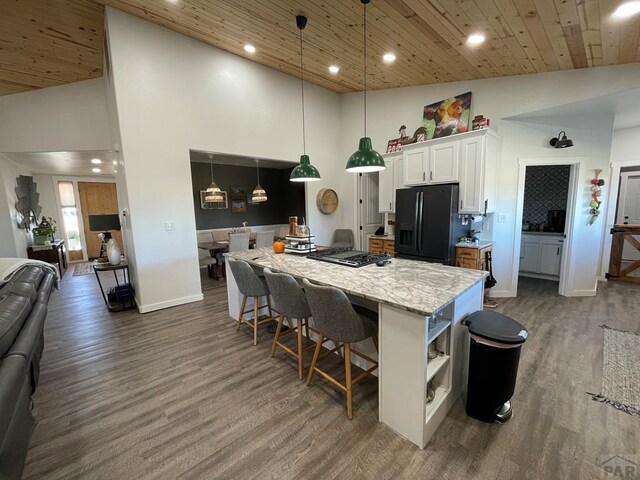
172,94
46,189
625,152
65,118
13,241
498,99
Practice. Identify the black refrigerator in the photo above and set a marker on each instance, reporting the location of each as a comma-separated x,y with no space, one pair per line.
427,223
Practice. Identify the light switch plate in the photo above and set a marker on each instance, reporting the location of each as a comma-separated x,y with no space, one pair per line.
502,218
169,226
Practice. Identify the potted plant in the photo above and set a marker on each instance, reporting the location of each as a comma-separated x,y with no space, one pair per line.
44,231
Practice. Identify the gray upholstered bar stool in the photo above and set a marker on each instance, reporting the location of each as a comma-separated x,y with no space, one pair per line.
250,285
291,303
335,318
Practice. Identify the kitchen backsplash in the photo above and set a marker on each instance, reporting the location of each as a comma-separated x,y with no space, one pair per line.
546,188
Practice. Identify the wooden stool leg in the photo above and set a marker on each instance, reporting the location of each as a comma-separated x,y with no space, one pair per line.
256,302
316,354
269,306
339,348
347,369
277,337
244,304
300,320
375,342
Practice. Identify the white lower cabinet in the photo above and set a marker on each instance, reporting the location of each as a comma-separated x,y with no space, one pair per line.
541,254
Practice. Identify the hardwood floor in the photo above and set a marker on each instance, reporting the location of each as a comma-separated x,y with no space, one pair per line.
180,394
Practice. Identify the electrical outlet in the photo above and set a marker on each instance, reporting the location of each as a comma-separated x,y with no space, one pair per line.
169,226
502,218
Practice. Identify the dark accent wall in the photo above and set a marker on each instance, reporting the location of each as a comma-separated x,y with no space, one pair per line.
545,188
285,198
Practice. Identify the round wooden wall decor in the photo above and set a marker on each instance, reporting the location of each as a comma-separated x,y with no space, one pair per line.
327,201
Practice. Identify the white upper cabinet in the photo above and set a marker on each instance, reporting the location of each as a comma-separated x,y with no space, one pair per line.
444,162
386,190
468,158
390,179
415,166
478,173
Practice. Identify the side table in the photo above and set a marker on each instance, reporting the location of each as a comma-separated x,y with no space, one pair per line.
120,297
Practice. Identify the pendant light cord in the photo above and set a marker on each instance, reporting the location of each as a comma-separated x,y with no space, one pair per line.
211,164
365,68
304,140
258,169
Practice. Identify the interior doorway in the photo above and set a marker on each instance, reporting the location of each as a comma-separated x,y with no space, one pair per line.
97,198
628,211
369,217
546,209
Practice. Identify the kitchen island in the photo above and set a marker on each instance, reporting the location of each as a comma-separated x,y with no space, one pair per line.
418,303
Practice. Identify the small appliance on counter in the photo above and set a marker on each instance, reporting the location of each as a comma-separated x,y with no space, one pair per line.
555,221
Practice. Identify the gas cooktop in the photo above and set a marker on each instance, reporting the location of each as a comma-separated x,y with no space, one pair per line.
348,257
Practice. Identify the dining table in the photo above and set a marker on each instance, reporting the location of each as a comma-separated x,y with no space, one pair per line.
219,247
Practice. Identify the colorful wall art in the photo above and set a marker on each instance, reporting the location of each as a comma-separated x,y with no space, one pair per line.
448,117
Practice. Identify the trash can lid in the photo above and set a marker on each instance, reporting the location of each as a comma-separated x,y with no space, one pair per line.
495,326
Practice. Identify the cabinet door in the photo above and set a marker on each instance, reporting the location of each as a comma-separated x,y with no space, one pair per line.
549,259
398,176
444,162
471,176
529,256
415,166
386,192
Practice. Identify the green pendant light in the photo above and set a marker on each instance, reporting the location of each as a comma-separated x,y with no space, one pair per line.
304,172
365,159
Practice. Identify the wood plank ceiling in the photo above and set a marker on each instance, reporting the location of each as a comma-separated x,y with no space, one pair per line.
50,42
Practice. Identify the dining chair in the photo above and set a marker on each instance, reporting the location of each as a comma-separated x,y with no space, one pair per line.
265,239
238,242
206,260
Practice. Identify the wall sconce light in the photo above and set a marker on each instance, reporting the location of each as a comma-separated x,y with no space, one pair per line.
561,141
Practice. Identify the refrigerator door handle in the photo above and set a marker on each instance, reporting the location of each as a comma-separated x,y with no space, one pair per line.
419,220
416,222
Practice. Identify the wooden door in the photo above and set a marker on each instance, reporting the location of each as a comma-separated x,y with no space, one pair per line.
97,199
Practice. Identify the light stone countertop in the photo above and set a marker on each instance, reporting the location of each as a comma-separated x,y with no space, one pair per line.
383,237
480,244
419,287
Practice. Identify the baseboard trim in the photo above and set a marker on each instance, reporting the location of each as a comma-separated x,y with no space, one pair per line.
540,276
581,293
169,303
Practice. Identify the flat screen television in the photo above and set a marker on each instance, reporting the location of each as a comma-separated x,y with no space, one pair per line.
104,223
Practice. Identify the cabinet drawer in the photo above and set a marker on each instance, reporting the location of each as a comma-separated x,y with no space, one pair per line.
468,252
469,263
376,243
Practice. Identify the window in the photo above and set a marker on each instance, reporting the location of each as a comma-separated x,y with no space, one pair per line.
70,215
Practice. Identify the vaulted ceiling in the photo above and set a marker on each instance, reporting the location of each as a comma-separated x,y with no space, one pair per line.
52,42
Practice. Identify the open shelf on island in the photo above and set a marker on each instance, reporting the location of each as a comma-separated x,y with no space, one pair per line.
441,394
434,365
441,325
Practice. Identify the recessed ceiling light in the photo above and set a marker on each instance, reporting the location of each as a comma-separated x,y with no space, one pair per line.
627,9
96,161
475,39
388,57
334,68
249,48
115,162
96,170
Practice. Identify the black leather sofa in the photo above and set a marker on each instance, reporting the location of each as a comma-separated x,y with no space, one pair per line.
23,308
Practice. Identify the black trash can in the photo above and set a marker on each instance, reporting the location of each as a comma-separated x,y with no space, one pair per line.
493,364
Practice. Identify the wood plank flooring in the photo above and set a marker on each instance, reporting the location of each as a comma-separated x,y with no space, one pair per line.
180,394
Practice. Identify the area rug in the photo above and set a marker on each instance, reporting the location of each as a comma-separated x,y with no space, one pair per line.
84,268
620,371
